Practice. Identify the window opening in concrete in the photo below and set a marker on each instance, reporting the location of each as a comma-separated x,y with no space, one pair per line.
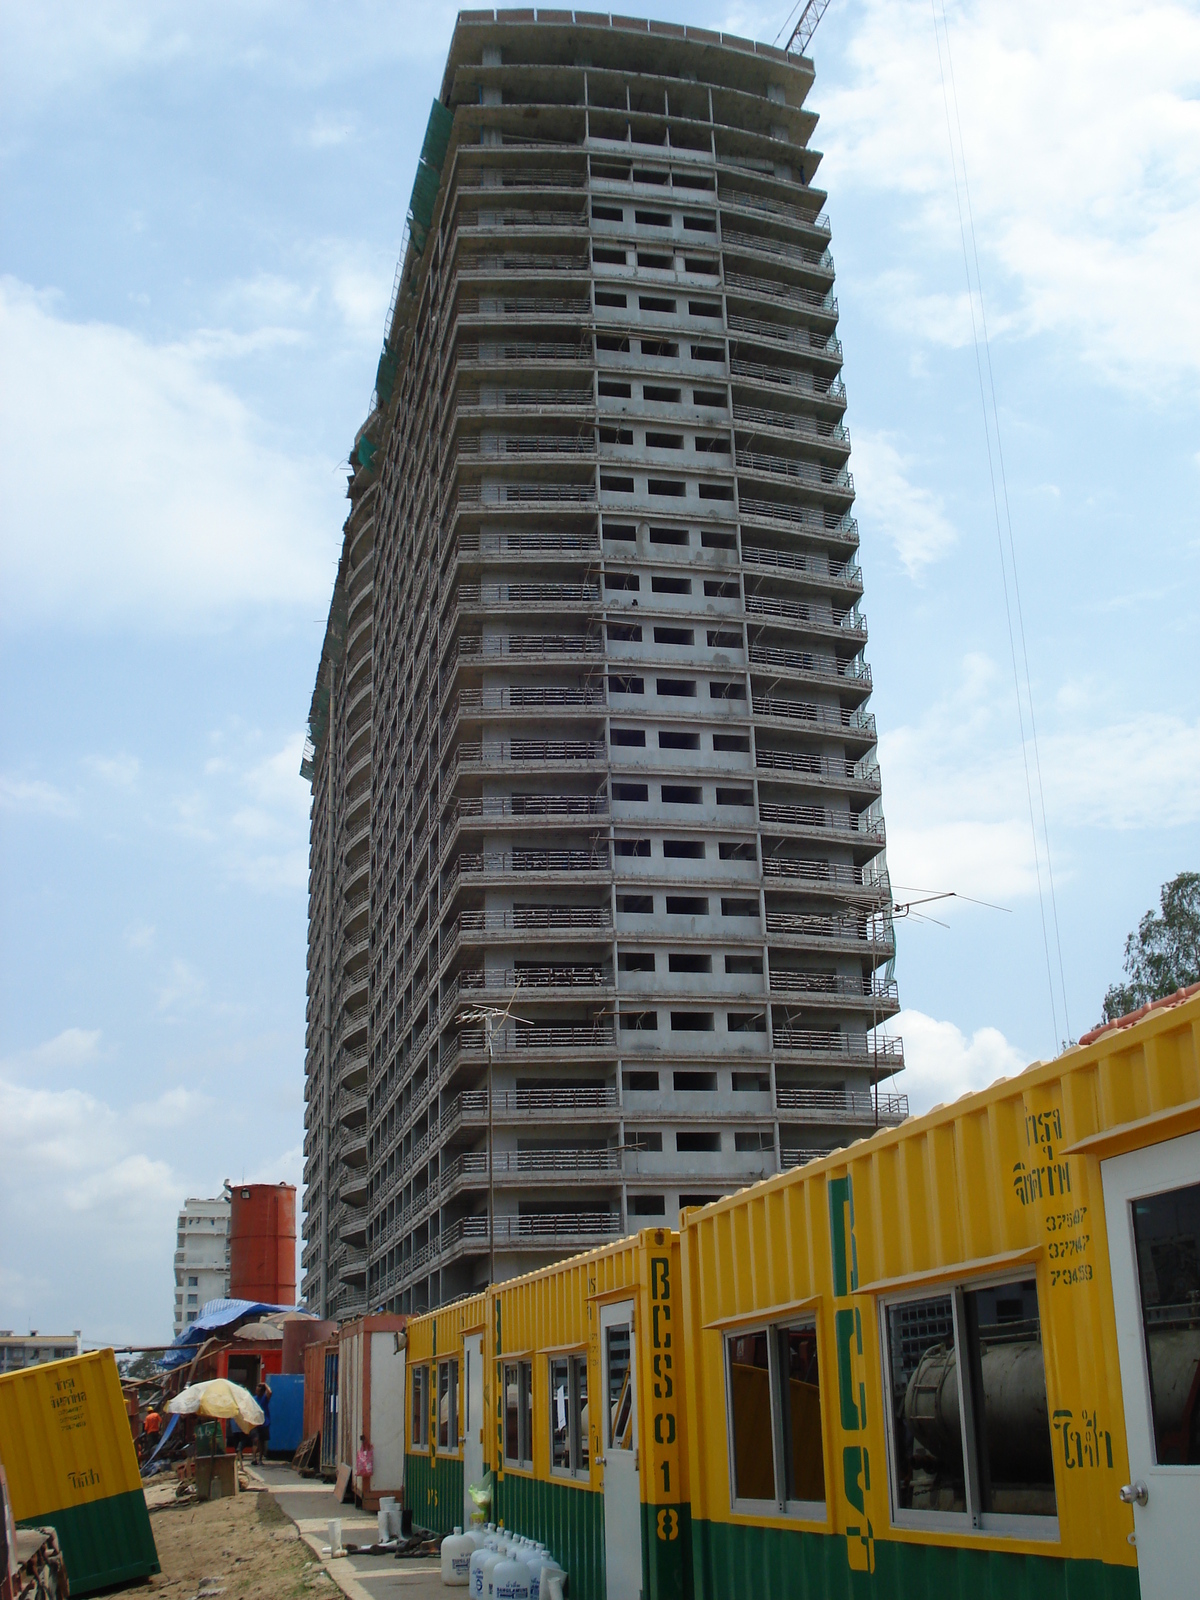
640,1082
683,849
687,905
636,960
681,794
698,1143
672,738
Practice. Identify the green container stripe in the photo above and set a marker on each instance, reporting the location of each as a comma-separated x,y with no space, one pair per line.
735,1562
568,1521
667,1552
103,1542
433,1491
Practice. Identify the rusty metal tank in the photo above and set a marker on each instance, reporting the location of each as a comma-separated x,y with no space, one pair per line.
262,1243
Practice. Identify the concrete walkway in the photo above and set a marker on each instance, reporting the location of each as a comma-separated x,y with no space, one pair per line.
310,1505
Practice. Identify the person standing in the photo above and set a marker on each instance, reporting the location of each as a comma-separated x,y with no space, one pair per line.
262,1434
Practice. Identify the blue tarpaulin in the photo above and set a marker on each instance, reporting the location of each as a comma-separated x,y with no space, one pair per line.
217,1314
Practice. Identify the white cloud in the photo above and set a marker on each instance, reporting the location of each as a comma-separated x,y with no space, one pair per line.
184,986
941,1063
910,516
171,506
325,131
36,796
121,770
67,1051
1055,172
955,795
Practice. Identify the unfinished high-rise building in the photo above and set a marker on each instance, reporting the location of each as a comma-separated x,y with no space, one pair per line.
597,871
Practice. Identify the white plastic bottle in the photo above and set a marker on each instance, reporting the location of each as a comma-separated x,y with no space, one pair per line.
491,1561
476,1581
457,1550
510,1578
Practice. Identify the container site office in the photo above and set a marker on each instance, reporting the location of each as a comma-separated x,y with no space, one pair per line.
591,722
958,1358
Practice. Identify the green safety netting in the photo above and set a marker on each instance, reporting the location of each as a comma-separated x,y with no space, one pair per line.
437,134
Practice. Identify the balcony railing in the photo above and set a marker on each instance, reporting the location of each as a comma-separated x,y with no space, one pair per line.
838,873
850,986
799,561
839,769
550,751
533,805
530,644
523,697
768,206
842,1105
499,494
803,661
528,979
809,472
489,352
835,718
818,260
527,594
474,863
513,1037
846,1047
835,433
811,300
474,1163
781,378
551,919
510,398
527,444
535,1105
844,530
836,931
847,620
531,544
781,333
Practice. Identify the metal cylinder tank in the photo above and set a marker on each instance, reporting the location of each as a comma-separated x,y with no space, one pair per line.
262,1243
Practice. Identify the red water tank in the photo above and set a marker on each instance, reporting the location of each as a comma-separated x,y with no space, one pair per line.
262,1243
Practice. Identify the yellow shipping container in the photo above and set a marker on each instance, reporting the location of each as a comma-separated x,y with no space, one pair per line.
444,1413
939,1361
68,1453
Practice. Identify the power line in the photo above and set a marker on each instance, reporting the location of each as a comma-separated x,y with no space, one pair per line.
955,157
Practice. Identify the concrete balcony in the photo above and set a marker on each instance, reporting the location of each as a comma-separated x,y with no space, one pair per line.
827,1048
836,935
802,766
856,1107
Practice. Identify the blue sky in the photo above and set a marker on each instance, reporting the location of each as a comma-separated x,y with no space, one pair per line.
202,208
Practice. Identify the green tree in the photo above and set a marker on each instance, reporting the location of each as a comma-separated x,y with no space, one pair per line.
1164,954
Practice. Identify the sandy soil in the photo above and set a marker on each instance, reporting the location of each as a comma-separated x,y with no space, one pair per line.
240,1548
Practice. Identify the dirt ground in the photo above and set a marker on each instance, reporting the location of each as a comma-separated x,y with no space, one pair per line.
239,1548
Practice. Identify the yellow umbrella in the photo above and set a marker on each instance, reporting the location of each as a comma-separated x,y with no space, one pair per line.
219,1398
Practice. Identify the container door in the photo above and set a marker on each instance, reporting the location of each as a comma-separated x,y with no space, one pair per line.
622,1493
1152,1206
472,1411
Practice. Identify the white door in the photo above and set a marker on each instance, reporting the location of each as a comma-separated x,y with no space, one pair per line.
472,1410
1152,1206
622,1496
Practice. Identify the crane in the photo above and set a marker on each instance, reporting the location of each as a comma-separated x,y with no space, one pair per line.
806,26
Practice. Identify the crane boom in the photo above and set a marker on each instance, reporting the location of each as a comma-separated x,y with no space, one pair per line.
806,26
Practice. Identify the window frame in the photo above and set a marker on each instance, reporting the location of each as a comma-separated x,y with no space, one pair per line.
578,1454
419,1410
779,1508
448,1366
972,1520
523,1366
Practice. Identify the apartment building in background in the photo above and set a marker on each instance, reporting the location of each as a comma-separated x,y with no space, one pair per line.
596,805
201,1257
20,1350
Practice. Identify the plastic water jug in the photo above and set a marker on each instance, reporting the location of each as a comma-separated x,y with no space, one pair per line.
457,1550
476,1581
510,1579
